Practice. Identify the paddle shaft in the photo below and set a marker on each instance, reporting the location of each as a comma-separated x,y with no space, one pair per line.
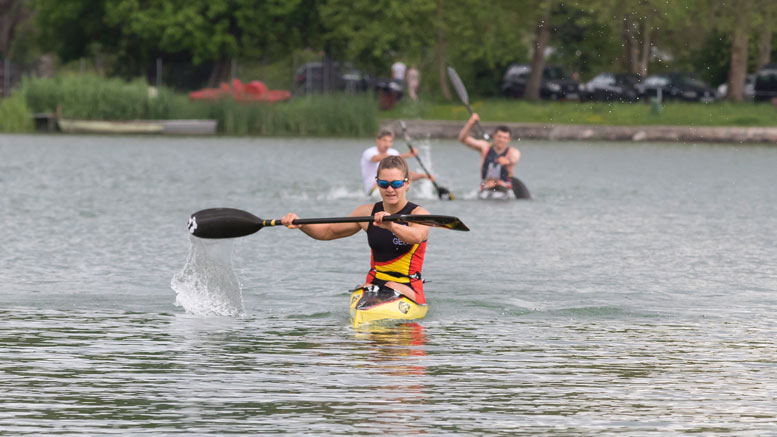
418,158
436,187
355,219
477,123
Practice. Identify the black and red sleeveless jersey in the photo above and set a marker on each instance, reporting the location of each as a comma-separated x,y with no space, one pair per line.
394,260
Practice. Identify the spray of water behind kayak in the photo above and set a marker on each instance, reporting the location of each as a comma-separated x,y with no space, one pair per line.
207,284
423,188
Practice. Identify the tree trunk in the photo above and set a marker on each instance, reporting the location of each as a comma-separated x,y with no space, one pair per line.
541,36
219,73
12,12
441,49
765,44
631,60
646,35
738,71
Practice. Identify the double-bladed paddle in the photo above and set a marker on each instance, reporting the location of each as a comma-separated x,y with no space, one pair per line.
442,192
519,189
233,223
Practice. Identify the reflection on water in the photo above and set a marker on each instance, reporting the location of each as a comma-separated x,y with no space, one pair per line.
394,353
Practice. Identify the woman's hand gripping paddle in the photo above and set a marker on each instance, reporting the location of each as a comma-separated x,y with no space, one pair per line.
233,223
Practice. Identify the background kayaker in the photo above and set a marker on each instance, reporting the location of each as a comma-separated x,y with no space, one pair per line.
397,248
497,160
373,155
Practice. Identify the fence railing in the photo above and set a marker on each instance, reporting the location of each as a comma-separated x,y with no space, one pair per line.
11,73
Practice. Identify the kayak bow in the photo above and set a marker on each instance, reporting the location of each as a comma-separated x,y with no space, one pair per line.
372,305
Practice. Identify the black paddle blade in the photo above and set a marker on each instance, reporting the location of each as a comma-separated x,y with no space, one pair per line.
520,190
458,85
439,221
223,223
444,193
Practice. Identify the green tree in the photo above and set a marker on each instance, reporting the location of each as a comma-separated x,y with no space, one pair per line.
12,14
200,30
479,40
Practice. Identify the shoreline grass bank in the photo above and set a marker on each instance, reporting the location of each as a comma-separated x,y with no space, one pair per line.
747,114
91,97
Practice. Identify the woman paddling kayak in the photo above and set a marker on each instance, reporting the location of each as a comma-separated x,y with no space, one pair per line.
397,248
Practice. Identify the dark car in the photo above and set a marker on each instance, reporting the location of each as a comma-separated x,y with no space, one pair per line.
555,84
318,77
676,86
749,93
766,83
612,87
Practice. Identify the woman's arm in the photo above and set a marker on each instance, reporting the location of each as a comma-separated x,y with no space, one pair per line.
329,231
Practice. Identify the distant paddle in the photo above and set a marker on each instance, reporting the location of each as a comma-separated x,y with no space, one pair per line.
461,90
442,192
519,189
234,223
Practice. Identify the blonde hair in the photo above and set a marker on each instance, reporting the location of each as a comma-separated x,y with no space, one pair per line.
393,161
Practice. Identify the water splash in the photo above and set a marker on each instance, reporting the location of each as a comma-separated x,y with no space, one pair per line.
423,188
207,284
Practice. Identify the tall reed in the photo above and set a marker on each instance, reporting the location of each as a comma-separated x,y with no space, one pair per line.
92,97
14,116
320,115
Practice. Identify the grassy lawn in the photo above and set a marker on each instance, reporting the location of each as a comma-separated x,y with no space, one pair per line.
616,114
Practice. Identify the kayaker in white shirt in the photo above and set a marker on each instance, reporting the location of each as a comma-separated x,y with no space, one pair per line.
373,155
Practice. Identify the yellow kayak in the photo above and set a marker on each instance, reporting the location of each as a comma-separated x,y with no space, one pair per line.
374,304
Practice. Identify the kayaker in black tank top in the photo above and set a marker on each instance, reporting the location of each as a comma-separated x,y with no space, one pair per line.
393,259
491,170
499,156
405,241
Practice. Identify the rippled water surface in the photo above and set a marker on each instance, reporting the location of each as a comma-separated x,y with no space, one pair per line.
635,294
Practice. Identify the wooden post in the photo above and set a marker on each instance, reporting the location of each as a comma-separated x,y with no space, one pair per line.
158,72
6,77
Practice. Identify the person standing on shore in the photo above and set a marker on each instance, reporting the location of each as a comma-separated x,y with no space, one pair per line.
413,80
497,160
398,73
373,155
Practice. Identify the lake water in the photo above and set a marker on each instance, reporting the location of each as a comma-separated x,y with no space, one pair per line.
636,294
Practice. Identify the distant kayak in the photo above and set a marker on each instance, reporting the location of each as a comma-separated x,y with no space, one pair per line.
382,304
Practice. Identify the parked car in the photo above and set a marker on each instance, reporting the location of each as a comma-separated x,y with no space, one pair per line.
749,88
317,77
676,86
765,88
612,87
555,84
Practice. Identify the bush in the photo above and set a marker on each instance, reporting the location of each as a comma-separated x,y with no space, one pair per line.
92,97
14,116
